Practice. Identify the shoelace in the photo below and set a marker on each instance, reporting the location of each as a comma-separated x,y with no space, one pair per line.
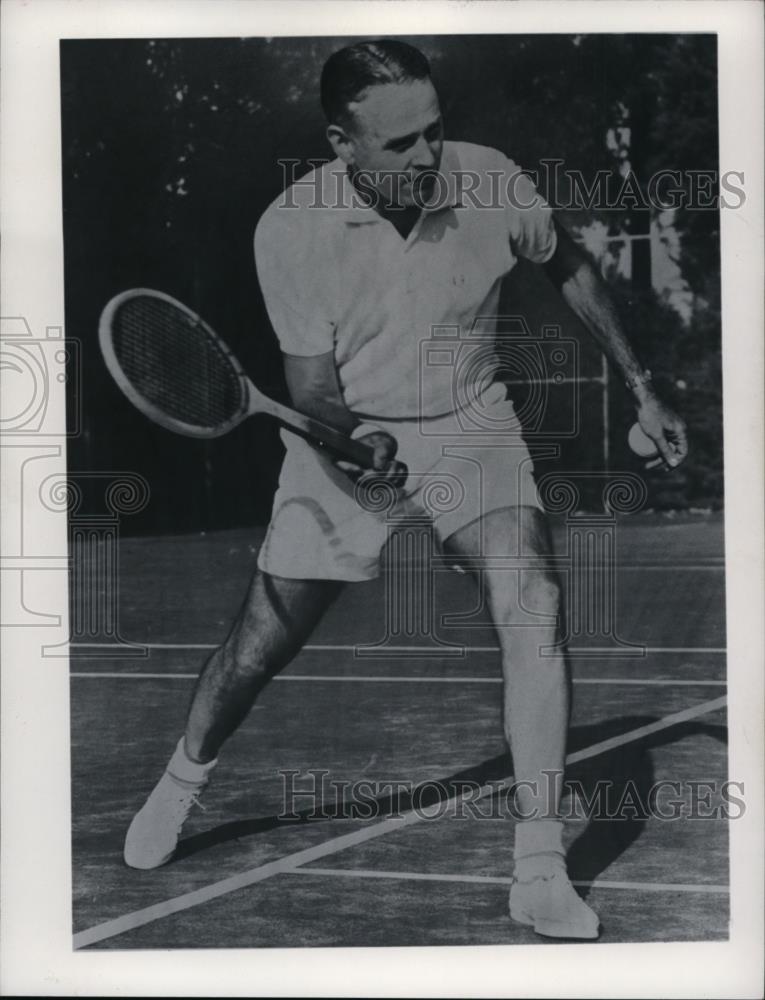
195,802
536,878
196,790
555,869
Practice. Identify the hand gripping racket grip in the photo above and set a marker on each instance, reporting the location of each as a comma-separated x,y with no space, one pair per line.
325,436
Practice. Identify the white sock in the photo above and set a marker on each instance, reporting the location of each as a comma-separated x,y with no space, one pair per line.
181,766
538,848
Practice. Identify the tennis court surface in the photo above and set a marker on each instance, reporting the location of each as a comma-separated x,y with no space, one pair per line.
254,869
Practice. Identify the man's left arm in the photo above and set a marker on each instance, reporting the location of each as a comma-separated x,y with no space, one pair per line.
585,293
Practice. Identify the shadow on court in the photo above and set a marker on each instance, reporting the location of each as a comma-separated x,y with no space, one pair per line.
625,775
629,775
655,880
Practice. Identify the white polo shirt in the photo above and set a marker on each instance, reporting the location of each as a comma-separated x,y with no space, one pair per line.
336,276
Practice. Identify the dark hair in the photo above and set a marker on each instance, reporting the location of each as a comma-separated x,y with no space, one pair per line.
350,71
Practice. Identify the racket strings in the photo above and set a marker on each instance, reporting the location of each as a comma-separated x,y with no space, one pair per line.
176,364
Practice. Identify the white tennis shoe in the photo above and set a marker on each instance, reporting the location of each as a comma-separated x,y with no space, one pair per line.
153,835
551,905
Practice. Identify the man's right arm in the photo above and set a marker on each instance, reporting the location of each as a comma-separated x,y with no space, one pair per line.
314,390
293,289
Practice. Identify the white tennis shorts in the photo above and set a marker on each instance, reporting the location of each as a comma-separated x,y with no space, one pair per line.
461,467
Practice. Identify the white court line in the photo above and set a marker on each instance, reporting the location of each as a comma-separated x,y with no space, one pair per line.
138,918
502,880
445,562
693,567
320,647
563,564
657,682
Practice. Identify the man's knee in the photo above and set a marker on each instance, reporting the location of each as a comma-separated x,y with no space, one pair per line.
277,617
539,591
517,594
534,589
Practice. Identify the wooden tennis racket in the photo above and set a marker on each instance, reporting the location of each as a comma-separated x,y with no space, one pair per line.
176,370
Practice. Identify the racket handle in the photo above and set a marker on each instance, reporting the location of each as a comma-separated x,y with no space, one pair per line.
340,444
324,435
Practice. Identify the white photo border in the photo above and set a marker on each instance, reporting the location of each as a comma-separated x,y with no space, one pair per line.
35,932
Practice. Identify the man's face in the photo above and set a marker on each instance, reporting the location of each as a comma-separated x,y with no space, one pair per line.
396,129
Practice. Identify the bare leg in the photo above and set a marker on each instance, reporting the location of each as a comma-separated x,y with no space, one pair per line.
536,712
536,691
276,619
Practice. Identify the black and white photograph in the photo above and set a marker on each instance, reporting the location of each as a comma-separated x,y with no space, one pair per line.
393,461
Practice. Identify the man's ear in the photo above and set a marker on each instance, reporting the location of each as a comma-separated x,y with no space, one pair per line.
341,143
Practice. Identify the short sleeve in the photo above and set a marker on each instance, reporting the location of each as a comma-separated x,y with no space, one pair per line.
288,264
530,219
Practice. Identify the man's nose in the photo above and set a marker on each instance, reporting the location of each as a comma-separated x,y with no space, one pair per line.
423,156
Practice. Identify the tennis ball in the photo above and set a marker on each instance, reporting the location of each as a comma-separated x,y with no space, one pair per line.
640,443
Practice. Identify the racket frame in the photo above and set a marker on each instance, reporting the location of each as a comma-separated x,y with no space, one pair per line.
253,400
153,412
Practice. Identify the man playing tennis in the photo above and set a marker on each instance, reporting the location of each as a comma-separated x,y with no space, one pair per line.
358,262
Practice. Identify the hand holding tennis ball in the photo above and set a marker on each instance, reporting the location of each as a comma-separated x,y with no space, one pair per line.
640,443
658,435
